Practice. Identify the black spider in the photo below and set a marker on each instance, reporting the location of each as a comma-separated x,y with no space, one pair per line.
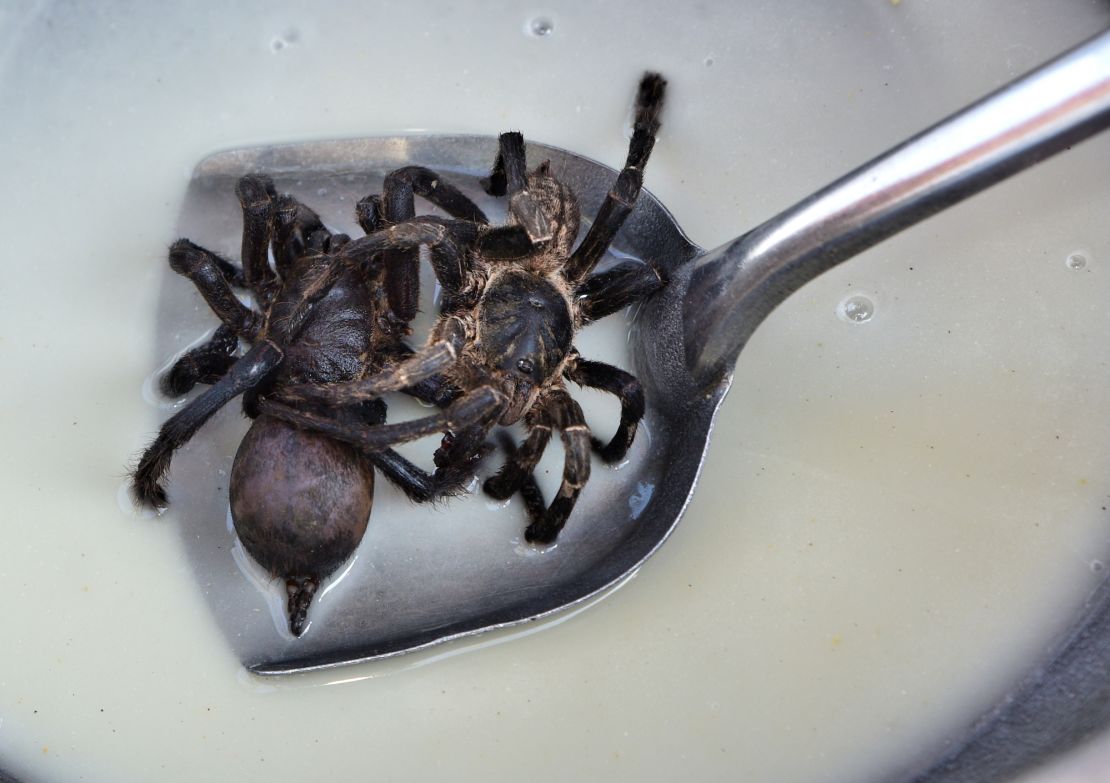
514,296
300,500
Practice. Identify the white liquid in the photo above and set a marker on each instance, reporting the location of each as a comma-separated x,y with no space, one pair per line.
897,515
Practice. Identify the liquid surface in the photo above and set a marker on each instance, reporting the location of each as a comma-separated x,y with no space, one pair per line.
898,513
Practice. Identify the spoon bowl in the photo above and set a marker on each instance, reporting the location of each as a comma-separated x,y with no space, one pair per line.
416,587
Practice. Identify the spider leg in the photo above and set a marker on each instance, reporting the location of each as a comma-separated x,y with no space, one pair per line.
203,268
435,390
614,289
532,495
620,200
440,237
626,387
482,405
430,361
368,211
529,489
461,451
206,363
398,203
510,176
504,242
232,272
419,485
246,373
509,169
403,184
256,195
297,230
521,463
566,416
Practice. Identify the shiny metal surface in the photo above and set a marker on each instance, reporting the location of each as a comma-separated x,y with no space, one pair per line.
736,286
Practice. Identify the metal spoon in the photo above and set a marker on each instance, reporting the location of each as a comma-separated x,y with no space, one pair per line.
410,590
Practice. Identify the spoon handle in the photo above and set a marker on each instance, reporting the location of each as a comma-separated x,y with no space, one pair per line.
733,288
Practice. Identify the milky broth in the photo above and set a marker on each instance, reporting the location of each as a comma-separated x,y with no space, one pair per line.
904,500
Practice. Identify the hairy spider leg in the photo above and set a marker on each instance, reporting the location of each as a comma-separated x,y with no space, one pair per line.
249,371
464,449
556,410
297,231
604,293
206,363
398,203
433,391
203,268
480,406
530,493
438,235
510,175
622,197
232,271
509,171
565,415
522,461
626,387
504,243
403,184
417,484
368,212
256,195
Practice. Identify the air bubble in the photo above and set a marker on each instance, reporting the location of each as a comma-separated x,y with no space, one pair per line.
1076,261
708,62
539,27
856,309
1097,566
288,38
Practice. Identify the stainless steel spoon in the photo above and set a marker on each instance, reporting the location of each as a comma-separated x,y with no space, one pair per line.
409,591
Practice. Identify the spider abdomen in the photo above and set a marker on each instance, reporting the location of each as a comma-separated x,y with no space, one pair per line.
300,501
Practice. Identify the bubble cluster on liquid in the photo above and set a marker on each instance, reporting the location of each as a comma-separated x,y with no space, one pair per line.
856,309
539,27
1076,261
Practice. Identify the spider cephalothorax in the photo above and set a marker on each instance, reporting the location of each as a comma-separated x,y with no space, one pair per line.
514,296
299,499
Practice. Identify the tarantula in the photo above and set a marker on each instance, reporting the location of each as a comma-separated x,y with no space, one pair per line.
514,296
300,500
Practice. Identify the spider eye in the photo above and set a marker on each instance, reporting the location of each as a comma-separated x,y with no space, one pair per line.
526,366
